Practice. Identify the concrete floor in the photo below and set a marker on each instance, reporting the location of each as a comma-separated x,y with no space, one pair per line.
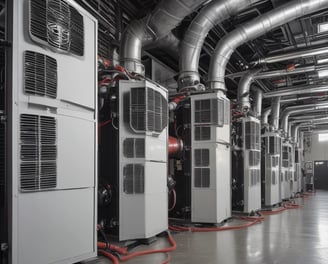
297,236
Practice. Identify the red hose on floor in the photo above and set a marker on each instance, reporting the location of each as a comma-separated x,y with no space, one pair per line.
110,256
273,212
121,250
214,229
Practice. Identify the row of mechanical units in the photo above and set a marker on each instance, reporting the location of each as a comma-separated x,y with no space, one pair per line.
134,156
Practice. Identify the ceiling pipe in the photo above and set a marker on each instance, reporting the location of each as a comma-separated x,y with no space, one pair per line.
301,98
297,90
302,53
257,102
159,23
212,14
275,113
291,110
265,116
251,30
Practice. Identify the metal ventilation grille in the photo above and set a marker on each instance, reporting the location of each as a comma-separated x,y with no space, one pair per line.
212,111
202,172
58,24
148,111
226,113
133,179
275,161
286,175
2,165
254,158
274,145
202,133
254,176
38,153
134,148
40,74
252,135
274,178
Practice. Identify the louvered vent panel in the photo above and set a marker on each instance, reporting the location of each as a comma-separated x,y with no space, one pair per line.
133,179
252,135
40,74
148,111
202,133
202,172
274,178
226,112
134,148
2,165
211,111
38,153
58,24
202,157
254,158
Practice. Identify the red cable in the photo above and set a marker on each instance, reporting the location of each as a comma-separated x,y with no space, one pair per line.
121,250
104,123
167,260
273,212
110,256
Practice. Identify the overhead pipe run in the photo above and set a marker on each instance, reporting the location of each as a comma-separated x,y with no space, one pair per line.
265,116
297,98
297,90
249,31
275,113
212,14
165,17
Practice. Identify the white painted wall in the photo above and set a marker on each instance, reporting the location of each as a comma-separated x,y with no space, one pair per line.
318,150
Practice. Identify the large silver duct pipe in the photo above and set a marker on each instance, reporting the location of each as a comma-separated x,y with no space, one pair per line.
265,116
302,53
299,109
249,31
297,98
165,17
257,102
191,46
275,113
297,90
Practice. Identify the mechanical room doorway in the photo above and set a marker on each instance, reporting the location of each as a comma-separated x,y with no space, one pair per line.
321,174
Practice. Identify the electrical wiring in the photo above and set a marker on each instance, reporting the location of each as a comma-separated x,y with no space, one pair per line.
273,212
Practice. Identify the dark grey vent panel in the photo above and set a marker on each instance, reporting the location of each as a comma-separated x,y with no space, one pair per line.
40,74
2,165
274,178
202,157
254,176
202,177
202,133
134,148
148,111
254,158
57,24
134,179
212,111
38,152
252,135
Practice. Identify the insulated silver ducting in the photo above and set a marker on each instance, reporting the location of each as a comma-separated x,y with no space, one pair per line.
297,98
257,102
299,109
303,53
265,116
275,113
212,14
249,31
297,90
244,89
165,17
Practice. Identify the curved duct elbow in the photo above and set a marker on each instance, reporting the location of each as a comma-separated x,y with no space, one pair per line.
265,116
165,17
275,114
257,102
211,15
249,31
244,89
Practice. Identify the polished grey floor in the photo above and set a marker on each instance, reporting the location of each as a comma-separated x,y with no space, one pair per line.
296,236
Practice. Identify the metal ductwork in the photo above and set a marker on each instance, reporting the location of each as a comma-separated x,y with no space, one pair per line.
165,17
212,14
244,89
297,98
249,31
299,109
297,90
265,116
275,113
257,102
302,53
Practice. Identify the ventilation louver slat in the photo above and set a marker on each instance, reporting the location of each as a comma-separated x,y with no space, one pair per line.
134,147
202,170
57,24
133,179
40,74
38,154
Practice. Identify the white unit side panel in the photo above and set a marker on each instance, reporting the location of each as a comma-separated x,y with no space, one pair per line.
213,204
76,74
145,215
55,227
156,149
76,153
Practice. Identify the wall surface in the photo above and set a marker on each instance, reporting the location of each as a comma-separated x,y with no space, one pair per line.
317,150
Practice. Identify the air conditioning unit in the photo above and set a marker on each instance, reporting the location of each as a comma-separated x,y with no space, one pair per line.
287,171
133,154
50,133
270,168
297,171
246,166
210,158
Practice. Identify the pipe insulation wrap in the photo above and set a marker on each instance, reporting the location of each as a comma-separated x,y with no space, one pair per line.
275,113
265,116
212,14
251,30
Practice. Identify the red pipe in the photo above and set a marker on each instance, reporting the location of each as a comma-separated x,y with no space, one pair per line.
110,256
175,146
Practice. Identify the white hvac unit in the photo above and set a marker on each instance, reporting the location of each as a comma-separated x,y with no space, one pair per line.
297,171
142,153
270,168
286,171
52,115
210,170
